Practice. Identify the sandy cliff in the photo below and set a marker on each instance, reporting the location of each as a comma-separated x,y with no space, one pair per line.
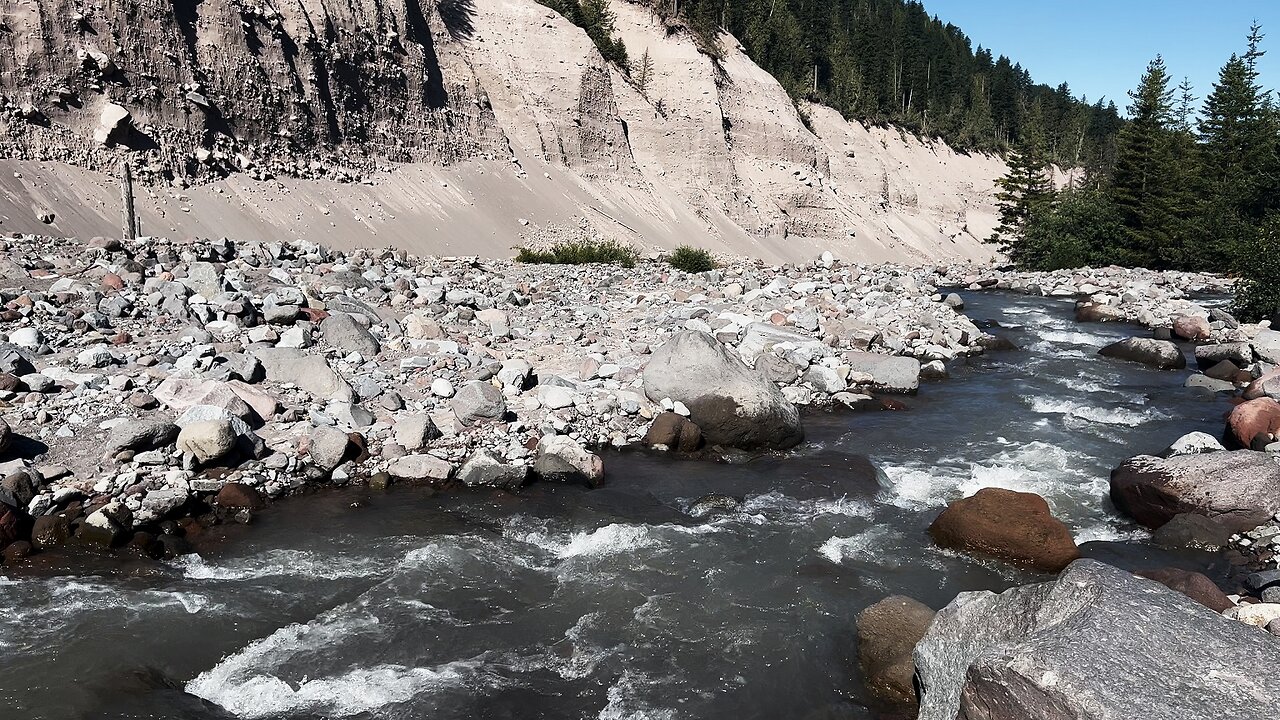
457,127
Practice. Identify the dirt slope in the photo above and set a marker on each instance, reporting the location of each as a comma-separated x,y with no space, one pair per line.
473,127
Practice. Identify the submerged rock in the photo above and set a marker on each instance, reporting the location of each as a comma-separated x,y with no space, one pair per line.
1013,526
1240,489
1160,354
732,405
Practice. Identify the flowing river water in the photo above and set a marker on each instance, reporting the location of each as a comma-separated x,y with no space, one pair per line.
616,603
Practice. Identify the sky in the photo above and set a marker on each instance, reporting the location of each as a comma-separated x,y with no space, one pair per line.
1101,47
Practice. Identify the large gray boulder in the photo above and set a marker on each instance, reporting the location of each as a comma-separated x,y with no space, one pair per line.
732,404
1160,354
1240,489
1096,644
309,372
478,402
1266,345
890,373
345,333
142,434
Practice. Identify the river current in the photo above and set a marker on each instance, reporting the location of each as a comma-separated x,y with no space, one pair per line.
617,603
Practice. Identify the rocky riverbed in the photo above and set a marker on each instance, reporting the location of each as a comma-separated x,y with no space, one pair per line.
154,389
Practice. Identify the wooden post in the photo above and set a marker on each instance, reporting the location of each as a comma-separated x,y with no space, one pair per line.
126,199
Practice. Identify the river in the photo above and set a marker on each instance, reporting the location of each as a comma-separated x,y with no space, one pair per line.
613,603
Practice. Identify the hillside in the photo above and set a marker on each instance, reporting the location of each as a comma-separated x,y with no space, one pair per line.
451,128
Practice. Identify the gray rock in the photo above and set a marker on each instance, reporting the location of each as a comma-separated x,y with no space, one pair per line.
732,404
6,436
414,432
954,301
1267,346
344,332
309,372
420,467
204,279
1160,354
823,379
1068,650
561,458
1195,443
776,369
1240,489
761,337
890,373
483,469
142,434
1239,353
38,383
328,447
1208,385
207,440
477,402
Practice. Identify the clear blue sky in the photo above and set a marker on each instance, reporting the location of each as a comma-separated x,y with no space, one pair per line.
1100,47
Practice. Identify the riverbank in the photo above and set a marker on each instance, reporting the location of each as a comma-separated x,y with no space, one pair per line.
158,380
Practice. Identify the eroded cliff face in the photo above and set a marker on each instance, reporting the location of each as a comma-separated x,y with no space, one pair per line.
473,126
282,86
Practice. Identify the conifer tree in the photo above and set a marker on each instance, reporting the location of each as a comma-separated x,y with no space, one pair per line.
1025,191
1142,186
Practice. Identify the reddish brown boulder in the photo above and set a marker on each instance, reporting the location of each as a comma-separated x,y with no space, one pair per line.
674,431
1013,526
1249,420
1194,585
1191,327
238,496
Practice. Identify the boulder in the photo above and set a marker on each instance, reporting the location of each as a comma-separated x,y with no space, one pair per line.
420,467
50,531
1239,353
113,124
345,333
890,373
142,434
1266,345
1191,327
759,338
1013,526
823,379
328,447
1194,585
732,404
309,372
1160,354
6,436
238,496
1259,615
674,432
1194,443
887,635
1240,489
561,458
1226,371
1094,312
1188,530
1096,644
478,402
483,469
207,440
414,432
1255,423
1266,385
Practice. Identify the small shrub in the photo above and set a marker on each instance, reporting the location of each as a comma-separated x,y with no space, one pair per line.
581,252
691,259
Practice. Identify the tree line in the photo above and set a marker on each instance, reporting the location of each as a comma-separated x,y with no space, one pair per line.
1192,187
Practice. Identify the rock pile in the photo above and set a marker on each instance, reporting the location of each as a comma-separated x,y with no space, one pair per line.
139,380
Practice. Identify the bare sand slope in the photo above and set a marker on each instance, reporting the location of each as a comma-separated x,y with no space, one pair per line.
710,153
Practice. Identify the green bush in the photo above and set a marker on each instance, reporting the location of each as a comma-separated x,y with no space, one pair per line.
1258,289
581,252
691,259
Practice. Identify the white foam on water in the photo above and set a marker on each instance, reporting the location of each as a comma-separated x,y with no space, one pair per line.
624,700
1092,413
611,539
914,486
358,691
867,546
244,683
1108,533
72,597
280,563
1069,337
